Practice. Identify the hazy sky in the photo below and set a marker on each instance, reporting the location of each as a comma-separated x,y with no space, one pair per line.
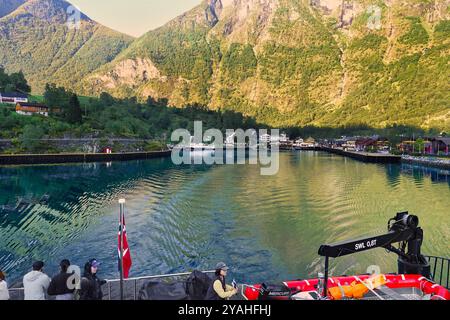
134,17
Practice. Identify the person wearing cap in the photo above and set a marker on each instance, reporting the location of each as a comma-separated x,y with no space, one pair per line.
90,283
219,290
4,293
36,282
60,286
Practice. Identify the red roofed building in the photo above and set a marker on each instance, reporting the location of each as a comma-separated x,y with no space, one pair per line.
29,108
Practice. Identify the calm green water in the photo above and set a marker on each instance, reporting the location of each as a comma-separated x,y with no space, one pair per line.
185,217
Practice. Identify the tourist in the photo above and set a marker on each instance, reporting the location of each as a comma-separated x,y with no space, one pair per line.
219,290
90,283
4,293
36,282
60,286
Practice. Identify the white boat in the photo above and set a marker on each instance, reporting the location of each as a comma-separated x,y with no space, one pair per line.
193,146
297,144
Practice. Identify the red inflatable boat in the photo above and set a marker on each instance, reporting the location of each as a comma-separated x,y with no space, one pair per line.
412,282
393,287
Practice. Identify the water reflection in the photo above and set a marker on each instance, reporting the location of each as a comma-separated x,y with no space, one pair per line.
419,173
184,217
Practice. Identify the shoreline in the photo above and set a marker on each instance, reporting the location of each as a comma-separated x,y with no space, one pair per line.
67,158
364,156
385,158
61,158
426,163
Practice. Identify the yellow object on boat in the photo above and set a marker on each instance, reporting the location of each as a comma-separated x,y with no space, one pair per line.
357,290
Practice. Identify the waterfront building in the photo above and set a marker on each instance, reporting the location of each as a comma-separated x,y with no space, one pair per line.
349,145
308,143
374,144
430,146
441,145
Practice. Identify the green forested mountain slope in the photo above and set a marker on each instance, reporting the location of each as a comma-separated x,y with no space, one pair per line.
36,39
285,62
296,62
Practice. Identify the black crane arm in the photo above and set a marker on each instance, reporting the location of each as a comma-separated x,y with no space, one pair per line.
353,246
403,228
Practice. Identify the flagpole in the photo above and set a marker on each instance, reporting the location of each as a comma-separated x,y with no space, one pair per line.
122,212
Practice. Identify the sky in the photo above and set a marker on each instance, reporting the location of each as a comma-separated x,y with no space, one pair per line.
134,17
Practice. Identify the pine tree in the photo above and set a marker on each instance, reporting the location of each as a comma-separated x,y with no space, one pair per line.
74,112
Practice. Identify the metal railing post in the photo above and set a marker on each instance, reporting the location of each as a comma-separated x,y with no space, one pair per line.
442,278
434,270
135,290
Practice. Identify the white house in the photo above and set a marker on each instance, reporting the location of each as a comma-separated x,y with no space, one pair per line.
13,97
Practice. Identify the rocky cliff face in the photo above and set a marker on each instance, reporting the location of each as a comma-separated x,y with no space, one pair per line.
297,62
130,73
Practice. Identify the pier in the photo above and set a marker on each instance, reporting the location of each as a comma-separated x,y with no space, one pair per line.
363,156
21,159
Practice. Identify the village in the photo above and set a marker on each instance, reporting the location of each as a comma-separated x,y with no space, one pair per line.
422,148
427,146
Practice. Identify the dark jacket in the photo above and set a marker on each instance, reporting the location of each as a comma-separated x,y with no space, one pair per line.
58,285
91,285
212,294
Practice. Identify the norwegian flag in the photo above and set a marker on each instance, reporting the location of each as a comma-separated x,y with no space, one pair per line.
126,251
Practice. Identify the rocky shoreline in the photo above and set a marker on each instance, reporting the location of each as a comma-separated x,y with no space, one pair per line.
428,161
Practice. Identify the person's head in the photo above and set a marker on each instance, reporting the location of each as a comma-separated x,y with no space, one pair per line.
2,276
221,269
94,264
38,266
64,265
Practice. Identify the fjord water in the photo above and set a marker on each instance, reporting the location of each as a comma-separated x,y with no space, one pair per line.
186,217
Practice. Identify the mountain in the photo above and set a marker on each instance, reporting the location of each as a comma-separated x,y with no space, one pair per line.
43,39
296,62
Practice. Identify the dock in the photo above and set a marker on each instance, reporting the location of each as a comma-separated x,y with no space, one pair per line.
363,156
23,159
